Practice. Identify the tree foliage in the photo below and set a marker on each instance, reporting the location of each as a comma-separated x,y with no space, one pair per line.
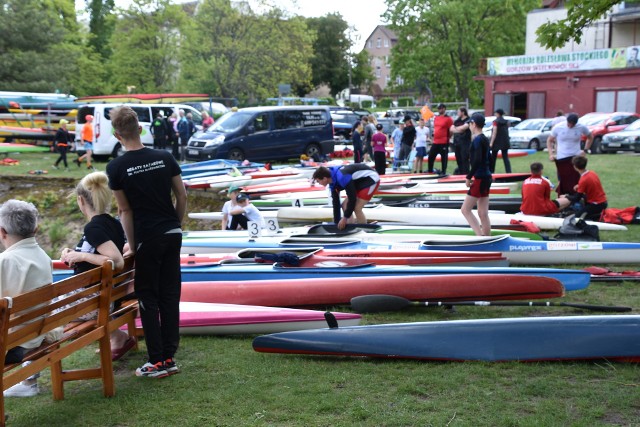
34,59
146,46
330,61
101,25
580,14
441,42
236,52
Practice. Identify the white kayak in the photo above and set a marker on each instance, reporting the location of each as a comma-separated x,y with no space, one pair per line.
429,216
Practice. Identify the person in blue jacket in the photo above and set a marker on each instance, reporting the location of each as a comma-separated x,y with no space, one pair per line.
358,180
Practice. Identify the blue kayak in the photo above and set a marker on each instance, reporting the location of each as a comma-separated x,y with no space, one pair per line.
571,279
613,338
523,251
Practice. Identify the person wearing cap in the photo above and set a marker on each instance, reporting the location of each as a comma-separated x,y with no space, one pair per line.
229,205
408,138
500,141
358,180
87,142
441,133
244,212
563,145
61,142
478,179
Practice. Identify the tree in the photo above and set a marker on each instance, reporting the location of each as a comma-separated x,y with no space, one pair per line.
101,25
442,41
580,14
330,61
146,47
236,53
36,60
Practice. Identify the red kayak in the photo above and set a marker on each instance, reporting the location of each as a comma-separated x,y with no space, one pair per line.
331,291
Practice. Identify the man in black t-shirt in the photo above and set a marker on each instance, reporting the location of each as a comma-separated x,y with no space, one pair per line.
408,138
143,181
461,140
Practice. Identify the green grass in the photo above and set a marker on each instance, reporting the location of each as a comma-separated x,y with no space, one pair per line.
225,383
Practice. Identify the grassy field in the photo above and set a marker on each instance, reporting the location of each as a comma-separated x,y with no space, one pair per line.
225,383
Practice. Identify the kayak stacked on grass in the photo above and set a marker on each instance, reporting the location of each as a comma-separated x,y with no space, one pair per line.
521,251
614,338
429,216
197,318
314,291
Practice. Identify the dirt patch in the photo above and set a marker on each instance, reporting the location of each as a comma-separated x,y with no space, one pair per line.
61,222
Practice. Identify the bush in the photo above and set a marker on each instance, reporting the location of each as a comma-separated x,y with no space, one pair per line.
355,105
367,104
385,102
405,102
327,101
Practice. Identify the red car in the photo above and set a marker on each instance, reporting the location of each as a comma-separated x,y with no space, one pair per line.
603,123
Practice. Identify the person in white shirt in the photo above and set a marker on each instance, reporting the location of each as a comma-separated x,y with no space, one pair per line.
24,266
245,212
422,137
563,145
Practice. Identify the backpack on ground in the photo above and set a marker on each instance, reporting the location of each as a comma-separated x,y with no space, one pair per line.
577,229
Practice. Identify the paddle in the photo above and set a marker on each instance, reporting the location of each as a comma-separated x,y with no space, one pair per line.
377,303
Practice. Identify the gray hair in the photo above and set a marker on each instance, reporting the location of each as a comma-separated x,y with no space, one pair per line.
19,218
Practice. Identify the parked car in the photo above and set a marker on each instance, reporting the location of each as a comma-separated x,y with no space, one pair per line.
624,140
265,133
601,124
343,121
105,143
488,123
399,113
530,133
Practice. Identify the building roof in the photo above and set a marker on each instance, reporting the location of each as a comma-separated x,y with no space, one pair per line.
385,30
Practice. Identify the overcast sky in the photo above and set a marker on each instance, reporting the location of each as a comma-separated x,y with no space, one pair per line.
364,15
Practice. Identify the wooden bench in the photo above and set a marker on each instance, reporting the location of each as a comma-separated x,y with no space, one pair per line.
60,304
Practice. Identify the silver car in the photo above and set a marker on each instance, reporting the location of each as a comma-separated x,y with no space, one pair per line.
488,124
624,140
530,133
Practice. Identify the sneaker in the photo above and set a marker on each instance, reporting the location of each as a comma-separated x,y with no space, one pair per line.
171,367
152,371
54,166
22,390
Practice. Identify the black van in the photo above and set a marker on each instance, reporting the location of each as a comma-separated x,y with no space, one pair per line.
265,133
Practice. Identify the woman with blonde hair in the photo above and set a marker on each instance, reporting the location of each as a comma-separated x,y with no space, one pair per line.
103,240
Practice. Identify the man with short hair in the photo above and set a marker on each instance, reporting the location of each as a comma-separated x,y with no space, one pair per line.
408,138
536,192
358,180
422,136
441,133
563,145
396,140
159,131
24,266
143,182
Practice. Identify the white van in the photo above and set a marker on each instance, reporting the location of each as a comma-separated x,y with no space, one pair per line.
105,143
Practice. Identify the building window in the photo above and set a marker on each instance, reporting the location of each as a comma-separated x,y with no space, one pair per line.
378,72
386,61
386,42
608,101
379,43
387,79
399,81
370,44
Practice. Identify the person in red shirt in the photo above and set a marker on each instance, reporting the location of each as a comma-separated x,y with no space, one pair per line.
536,192
441,133
590,189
